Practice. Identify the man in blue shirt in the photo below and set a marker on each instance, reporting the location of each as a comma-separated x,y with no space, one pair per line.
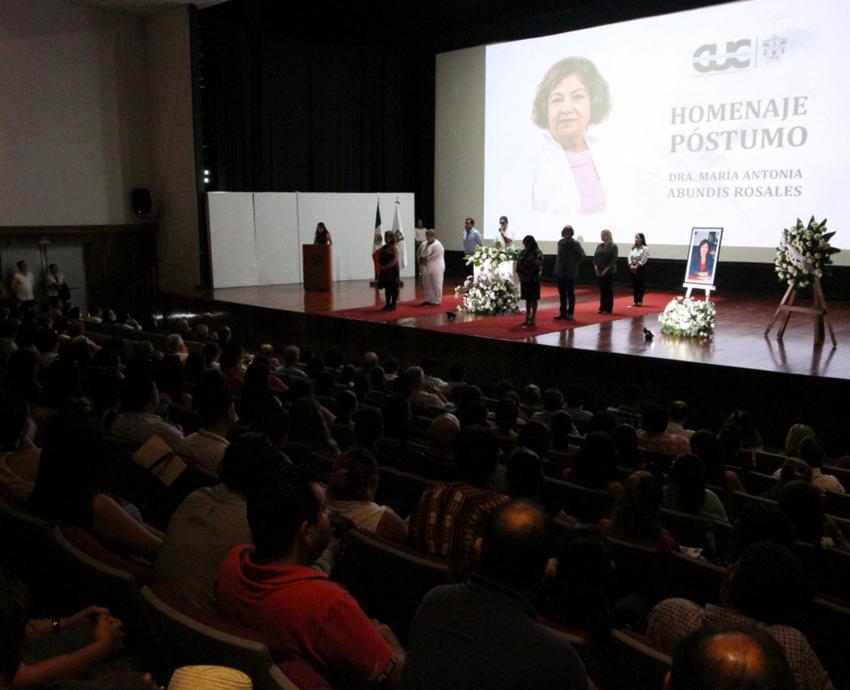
483,634
471,239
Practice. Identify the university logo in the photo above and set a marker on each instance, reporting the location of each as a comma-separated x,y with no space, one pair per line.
712,57
773,48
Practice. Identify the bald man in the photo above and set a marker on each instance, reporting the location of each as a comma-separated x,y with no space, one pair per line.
731,658
460,634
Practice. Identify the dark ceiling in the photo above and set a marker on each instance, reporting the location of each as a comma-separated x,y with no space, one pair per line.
438,24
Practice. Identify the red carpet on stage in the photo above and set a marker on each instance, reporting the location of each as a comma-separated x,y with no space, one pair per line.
375,312
510,327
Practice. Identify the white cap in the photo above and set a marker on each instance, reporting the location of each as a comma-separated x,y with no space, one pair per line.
209,678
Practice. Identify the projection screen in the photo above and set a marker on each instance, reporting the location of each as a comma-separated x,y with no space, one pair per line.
730,116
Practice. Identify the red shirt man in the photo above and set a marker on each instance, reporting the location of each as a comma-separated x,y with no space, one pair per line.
301,615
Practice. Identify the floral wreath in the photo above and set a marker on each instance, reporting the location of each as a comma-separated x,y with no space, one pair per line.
804,253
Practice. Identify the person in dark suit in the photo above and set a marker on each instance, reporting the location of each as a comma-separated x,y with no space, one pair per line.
570,255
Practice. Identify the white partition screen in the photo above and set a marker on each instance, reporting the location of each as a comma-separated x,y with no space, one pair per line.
276,238
255,239
232,246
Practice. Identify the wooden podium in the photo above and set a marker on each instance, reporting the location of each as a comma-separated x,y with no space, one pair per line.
316,262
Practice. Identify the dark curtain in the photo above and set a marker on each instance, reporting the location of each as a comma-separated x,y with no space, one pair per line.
283,113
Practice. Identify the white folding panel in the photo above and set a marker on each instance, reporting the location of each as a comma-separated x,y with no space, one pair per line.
276,233
350,218
232,244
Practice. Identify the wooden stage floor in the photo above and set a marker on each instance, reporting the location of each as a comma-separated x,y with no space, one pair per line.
738,342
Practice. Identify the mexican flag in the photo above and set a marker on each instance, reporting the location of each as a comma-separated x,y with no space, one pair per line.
377,237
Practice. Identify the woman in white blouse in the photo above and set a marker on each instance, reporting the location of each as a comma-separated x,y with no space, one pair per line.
638,256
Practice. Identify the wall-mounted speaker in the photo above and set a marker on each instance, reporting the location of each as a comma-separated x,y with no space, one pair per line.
141,203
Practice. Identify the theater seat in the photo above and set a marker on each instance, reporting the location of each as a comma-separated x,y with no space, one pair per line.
588,505
191,636
101,577
634,663
390,581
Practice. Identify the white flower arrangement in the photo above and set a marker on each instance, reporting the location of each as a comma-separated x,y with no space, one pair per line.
488,293
689,318
487,258
803,253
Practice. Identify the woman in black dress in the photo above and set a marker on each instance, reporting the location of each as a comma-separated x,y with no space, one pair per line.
529,267
605,266
388,270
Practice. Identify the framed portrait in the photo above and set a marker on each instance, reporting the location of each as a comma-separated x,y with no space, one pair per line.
703,255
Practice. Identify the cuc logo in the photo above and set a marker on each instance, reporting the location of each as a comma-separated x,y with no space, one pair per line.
709,58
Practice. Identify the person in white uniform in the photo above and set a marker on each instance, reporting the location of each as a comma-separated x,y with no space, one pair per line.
23,283
432,265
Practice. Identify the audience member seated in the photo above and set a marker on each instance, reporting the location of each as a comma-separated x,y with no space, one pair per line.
483,634
803,505
442,435
792,470
629,411
653,436
398,417
678,416
794,437
212,354
231,365
175,347
368,428
308,426
351,490
706,446
170,378
750,437
345,405
535,436
214,403
553,401
576,597
733,657
760,522
19,457
685,490
575,402
524,478
637,516
257,396
450,516
812,453
300,614
473,413
531,396
433,383
507,414
96,635
595,466
211,521
626,443
561,427
763,589
137,420
291,359
47,345
66,489
419,394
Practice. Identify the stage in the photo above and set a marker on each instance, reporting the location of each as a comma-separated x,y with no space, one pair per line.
782,382
738,341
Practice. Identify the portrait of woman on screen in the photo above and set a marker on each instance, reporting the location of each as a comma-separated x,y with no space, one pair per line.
571,98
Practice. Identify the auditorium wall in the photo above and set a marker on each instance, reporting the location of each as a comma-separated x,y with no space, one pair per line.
74,121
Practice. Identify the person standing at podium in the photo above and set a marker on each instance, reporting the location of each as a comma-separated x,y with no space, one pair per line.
432,265
388,270
323,235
